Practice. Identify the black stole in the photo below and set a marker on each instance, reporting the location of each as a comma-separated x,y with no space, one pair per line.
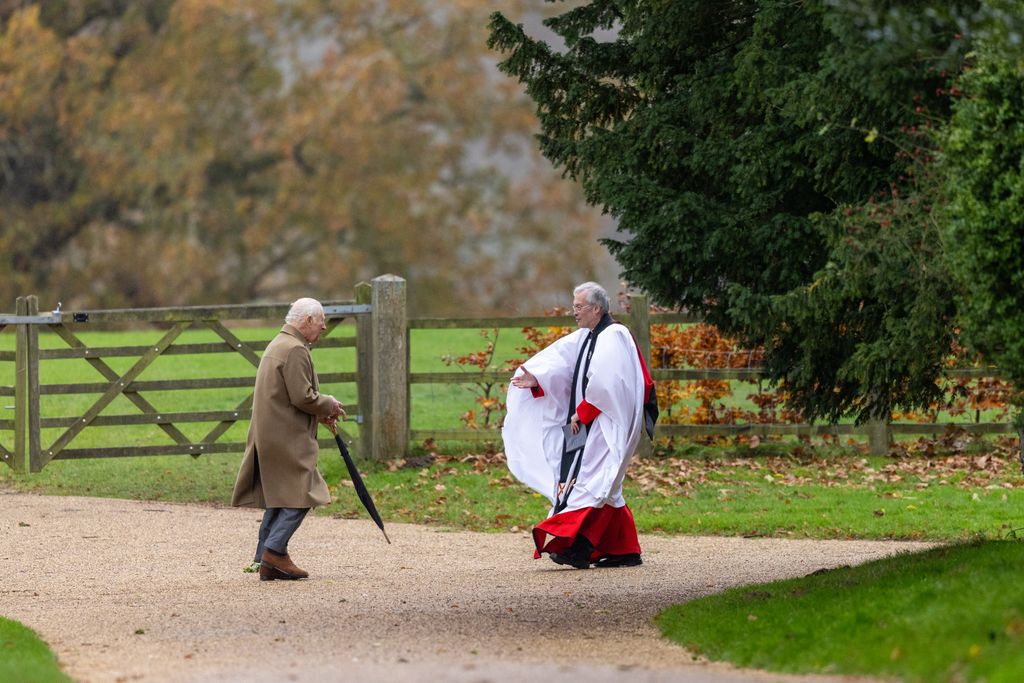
572,460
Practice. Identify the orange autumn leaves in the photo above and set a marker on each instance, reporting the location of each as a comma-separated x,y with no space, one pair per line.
723,401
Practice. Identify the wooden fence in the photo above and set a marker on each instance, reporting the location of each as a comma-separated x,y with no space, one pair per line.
382,377
374,343
879,434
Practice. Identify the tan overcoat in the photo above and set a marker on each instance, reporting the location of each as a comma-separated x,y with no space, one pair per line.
279,468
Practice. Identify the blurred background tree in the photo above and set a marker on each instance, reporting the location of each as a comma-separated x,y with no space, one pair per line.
170,152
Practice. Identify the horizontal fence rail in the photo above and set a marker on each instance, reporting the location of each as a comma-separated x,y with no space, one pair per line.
175,314
178,349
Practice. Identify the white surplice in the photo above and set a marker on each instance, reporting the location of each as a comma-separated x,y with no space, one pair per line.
533,425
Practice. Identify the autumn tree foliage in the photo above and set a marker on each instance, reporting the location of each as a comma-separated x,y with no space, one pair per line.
191,151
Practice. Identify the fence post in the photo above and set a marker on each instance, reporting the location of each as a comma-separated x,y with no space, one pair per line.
879,436
20,463
35,459
640,321
364,370
390,382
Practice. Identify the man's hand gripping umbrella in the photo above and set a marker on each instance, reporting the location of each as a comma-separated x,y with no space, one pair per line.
357,481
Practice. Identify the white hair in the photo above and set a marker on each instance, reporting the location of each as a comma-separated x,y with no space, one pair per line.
594,294
301,308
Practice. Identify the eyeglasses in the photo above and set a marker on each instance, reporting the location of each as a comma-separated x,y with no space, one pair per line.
579,307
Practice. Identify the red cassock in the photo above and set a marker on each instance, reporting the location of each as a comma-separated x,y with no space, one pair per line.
605,381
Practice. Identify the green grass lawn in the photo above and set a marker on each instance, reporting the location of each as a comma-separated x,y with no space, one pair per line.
24,658
837,495
951,614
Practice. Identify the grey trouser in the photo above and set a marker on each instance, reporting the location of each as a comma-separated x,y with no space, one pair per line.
277,528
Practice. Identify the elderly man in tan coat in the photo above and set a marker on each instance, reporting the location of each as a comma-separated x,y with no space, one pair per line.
279,470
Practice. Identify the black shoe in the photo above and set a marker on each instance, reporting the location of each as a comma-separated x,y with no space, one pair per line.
571,560
630,560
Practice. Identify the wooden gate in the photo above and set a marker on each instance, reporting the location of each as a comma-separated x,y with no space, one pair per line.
40,435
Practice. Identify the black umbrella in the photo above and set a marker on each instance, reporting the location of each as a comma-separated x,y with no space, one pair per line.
357,482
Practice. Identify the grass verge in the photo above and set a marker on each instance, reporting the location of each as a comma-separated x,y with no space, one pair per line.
24,658
950,614
828,496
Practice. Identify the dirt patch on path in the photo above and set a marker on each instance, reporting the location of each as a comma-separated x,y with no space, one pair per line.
143,591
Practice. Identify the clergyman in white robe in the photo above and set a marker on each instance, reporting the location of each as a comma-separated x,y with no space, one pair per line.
600,384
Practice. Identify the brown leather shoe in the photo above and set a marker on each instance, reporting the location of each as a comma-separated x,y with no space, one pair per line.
280,565
268,573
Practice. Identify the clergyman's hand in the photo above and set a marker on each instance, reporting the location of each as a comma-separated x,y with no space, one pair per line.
525,380
575,422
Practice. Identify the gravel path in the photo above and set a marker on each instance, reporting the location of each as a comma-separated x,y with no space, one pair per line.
143,591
